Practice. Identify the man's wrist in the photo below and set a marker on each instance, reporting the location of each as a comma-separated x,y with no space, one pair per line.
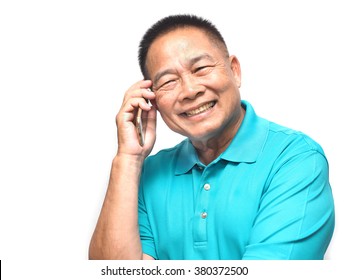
128,160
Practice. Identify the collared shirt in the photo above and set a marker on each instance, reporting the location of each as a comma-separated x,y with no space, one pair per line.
267,196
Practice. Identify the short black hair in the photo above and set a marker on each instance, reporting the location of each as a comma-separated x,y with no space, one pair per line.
170,23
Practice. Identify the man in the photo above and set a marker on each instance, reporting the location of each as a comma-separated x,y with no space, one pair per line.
239,186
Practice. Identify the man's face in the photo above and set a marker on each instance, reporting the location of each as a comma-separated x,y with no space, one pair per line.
196,84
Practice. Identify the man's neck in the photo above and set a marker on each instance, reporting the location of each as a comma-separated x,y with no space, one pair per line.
209,150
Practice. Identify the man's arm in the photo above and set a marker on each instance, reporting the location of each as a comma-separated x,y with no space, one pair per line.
296,213
116,235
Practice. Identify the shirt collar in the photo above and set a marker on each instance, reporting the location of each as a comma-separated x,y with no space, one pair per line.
250,138
187,157
245,147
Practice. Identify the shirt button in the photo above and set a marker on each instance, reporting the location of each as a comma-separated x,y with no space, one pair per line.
207,187
204,215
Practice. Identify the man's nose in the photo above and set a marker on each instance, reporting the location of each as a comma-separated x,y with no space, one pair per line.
190,88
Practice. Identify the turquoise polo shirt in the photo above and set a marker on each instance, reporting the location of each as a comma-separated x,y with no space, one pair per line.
267,196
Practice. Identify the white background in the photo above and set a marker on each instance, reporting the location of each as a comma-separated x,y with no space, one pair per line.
65,65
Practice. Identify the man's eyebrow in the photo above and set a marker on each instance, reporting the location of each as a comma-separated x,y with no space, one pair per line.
191,62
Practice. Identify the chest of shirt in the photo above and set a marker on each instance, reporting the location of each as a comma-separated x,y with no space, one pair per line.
205,206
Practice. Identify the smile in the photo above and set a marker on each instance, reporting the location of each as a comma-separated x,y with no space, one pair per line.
201,109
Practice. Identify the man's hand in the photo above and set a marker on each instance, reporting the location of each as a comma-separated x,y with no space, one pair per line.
135,98
116,234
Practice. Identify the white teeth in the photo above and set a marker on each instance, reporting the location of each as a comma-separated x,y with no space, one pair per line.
200,109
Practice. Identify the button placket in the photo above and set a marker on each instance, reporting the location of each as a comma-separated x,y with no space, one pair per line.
201,210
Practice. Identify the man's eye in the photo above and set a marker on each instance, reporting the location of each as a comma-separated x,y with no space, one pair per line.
203,69
167,83
200,68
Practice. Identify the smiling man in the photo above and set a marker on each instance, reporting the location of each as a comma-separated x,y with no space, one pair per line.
238,187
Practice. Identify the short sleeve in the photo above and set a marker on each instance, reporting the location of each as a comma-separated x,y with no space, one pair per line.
295,219
146,235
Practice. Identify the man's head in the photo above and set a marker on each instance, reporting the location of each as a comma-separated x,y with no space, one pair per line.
171,23
195,81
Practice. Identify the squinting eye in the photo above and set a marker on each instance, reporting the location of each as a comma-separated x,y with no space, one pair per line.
202,69
167,83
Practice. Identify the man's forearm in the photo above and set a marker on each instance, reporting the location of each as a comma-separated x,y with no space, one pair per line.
116,235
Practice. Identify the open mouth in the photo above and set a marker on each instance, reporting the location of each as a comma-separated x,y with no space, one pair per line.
201,109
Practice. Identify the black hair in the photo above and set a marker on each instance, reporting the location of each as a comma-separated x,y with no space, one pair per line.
171,23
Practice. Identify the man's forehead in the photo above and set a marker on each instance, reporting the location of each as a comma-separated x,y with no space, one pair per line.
185,46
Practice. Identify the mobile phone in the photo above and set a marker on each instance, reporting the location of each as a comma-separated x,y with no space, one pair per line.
139,127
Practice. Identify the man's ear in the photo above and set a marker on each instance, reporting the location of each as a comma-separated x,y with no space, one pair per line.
236,69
